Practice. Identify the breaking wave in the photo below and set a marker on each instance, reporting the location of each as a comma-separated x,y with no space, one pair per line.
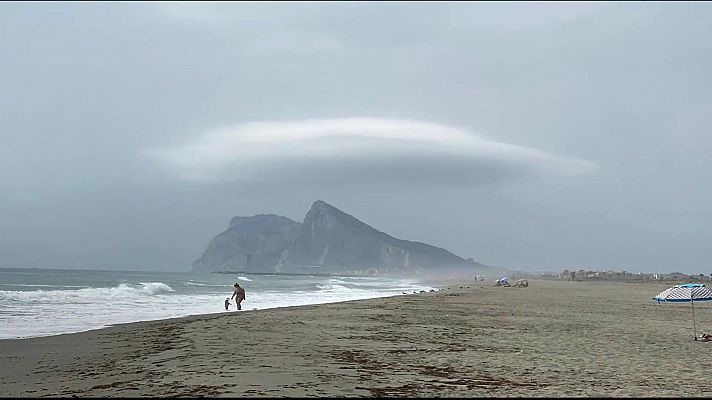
88,295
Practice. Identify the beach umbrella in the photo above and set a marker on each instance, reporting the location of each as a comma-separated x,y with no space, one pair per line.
690,292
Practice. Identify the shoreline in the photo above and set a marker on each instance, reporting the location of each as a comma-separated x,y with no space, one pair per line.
215,314
549,339
188,312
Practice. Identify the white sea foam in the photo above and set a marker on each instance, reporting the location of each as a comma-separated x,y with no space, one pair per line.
155,287
244,278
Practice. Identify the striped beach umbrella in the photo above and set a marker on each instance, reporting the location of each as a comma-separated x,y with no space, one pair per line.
690,292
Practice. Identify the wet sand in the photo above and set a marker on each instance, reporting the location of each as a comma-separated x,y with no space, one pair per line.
550,339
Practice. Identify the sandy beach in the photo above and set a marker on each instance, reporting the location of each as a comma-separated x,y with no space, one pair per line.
552,338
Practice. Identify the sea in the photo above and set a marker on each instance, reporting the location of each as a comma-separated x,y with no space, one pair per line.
44,302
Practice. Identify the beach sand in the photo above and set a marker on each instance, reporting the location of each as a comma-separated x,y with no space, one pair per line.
552,338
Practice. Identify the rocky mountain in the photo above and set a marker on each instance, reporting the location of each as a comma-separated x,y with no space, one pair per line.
254,243
327,241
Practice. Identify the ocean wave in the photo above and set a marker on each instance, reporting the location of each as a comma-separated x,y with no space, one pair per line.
191,283
244,278
155,287
334,288
40,285
88,295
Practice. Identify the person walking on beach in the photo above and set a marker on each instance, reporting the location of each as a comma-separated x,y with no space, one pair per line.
240,293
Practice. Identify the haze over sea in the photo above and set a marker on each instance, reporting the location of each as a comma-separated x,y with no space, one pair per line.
44,302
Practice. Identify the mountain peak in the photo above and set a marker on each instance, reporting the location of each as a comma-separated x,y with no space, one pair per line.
321,204
323,213
320,208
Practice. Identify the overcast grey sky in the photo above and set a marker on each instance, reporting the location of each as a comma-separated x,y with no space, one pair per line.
525,135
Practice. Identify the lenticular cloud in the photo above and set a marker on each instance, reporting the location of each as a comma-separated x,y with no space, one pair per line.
353,151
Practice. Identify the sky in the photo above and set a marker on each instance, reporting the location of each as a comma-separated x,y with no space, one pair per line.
533,135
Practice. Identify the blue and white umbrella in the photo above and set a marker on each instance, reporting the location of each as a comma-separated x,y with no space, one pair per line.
690,292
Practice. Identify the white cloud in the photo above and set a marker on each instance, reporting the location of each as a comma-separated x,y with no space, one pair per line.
356,151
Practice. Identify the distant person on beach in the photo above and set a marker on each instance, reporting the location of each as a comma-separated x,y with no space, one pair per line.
240,293
227,303
706,337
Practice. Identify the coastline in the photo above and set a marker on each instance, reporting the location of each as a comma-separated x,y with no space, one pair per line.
96,300
550,339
